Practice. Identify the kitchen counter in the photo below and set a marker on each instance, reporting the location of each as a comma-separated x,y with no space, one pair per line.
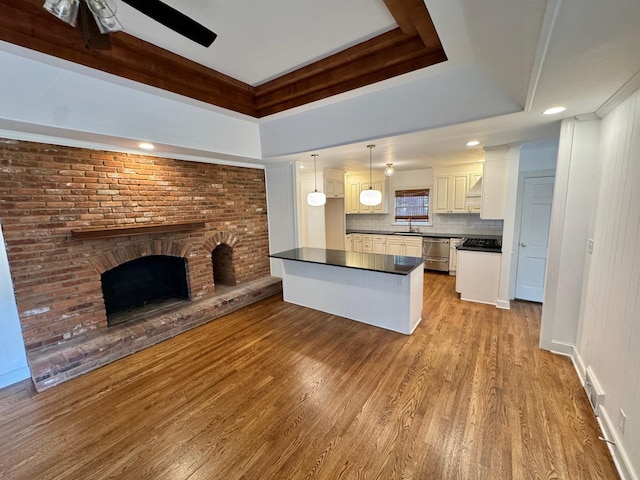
392,264
380,290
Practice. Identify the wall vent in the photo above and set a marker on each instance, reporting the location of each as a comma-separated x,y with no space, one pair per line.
594,392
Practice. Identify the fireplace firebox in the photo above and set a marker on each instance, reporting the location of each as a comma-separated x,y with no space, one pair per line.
143,281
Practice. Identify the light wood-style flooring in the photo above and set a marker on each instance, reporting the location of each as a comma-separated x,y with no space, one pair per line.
277,391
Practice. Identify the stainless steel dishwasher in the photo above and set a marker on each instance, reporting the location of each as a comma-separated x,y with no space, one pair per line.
435,252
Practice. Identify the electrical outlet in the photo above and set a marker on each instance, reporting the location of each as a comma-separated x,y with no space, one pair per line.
590,245
622,419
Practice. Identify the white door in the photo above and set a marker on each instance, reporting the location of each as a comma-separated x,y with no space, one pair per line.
534,238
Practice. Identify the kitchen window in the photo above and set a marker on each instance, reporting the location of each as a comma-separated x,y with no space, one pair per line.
412,205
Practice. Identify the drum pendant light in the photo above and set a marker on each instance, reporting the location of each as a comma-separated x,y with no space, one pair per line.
370,197
316,198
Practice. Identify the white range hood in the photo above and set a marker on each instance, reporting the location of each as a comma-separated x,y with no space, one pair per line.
474,197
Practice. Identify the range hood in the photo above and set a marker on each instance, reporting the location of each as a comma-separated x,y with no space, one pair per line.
474,197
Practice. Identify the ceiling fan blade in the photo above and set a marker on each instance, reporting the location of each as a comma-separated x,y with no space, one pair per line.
175,20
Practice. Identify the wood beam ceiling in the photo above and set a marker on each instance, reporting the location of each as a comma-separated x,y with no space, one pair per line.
414,45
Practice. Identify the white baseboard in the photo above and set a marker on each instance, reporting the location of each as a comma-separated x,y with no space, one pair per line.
504,304
563,348
617,450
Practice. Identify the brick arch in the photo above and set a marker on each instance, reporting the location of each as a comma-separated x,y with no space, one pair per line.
124,254
219,238
221,247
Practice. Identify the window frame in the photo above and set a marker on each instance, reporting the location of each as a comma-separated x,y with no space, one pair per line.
415,219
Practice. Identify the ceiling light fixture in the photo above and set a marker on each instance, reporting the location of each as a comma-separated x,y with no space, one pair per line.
103,11
146,146
554,110
473,143
316,198
389,170
370,197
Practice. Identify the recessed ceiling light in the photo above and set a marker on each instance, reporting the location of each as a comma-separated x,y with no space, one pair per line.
146,146
473,143
554,110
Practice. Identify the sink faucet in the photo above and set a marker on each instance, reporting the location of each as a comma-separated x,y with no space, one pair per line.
412,230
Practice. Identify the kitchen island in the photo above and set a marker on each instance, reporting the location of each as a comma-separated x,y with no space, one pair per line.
380,290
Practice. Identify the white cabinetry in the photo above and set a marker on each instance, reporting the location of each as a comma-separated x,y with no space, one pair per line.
348,243
453,255
333,183
356,184
356,242
379,243
494,184
367,243
451,184
473,179
407,246
478,276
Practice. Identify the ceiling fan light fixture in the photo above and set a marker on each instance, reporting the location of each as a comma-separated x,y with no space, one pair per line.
104,13
65,10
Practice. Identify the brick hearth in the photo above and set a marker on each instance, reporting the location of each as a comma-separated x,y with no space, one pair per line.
50,195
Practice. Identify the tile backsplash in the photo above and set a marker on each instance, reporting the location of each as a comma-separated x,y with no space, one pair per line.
458,224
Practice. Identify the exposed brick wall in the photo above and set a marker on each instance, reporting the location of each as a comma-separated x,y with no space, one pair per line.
46,191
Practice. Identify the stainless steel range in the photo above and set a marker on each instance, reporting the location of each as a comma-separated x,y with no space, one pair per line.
435,252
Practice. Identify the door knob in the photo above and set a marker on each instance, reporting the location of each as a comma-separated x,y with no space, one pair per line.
523,244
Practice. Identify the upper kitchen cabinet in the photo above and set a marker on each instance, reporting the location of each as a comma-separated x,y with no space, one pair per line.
494,184
333,183
451,184
358,183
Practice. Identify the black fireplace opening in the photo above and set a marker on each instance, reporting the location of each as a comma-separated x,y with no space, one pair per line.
144,281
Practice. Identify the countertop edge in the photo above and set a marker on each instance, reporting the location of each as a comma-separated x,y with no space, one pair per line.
354,267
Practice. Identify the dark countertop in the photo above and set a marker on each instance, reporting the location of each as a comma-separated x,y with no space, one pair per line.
393,264
480,249
422,234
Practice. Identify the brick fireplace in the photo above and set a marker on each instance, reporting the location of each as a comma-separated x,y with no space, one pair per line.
69,215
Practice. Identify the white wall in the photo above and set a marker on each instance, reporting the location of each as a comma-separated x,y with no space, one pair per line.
609,332
281,210
574,200
81,104
592,300
13,360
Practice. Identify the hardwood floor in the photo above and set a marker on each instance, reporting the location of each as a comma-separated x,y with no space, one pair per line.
277,391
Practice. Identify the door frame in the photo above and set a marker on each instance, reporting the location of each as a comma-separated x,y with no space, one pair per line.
518,220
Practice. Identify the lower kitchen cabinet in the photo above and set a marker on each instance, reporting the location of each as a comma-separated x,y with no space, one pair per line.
348,243
367,243
453,255
407,246
478,276
356,242
379,244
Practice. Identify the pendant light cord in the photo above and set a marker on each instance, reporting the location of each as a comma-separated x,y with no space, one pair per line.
315,173
370,147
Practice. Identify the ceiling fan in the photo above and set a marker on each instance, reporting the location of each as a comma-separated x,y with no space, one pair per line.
104,14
